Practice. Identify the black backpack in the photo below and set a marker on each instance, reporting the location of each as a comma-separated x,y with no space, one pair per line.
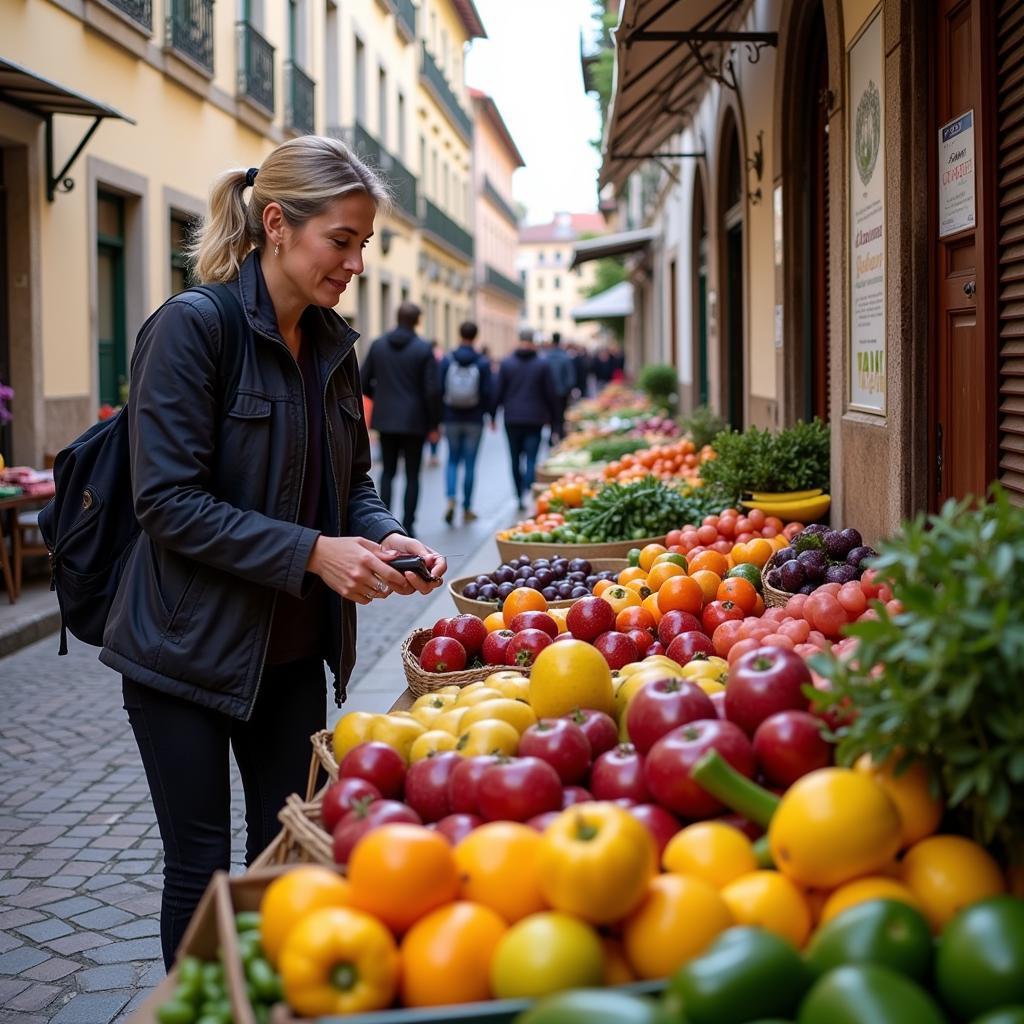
89,526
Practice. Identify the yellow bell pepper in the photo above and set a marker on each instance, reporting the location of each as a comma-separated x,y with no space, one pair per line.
338,960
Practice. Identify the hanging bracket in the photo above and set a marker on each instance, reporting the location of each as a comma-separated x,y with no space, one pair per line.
61,182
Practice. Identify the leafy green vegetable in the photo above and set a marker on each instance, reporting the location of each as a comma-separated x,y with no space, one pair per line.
703,425
950,686
794,459
607,449
660,383
642,508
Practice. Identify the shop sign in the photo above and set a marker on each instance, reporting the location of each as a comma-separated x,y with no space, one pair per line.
867,238
956,175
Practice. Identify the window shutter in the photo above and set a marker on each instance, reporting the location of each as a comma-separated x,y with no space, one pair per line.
1010,196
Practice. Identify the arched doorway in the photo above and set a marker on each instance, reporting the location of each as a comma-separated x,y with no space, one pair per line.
699,374
732,195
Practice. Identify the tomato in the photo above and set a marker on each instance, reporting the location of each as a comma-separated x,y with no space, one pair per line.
570,674
740,591
497,865
522,599
487,736
594,861
397,732
475,693
620,598
446,956
769,900
351,730
517,713
718,612
711,850
545,953
725,635
291,896
920,811
861,890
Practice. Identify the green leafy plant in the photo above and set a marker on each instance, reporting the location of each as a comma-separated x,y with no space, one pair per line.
794,459
941,680
606,449
703,425
659,382
643,508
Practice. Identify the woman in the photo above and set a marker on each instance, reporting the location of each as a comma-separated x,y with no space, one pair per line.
261,529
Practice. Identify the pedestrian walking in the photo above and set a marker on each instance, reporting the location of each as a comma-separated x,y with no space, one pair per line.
260,527
400,376
435,439
564,374
466,389
527,392
603,366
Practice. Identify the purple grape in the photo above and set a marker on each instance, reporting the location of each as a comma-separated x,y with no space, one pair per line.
836,545
580,565
533,583
471,591
550,594
524,572
545,576
785,554
808,588
504,574
841,573
482,581
814,563
523,560
541,563
792,575
577,577
853,536
489,592
590,581
579,592
859,555
564,591
814,528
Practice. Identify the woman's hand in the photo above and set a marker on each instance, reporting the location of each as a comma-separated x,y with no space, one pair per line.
437,566
358,569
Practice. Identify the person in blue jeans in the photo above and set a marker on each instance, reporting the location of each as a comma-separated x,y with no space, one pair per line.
465,377
527,391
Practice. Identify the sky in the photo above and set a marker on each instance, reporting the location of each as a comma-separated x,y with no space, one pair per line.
530,65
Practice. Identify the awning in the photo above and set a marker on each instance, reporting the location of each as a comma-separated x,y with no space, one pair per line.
43,98
612,245
614,301
665,52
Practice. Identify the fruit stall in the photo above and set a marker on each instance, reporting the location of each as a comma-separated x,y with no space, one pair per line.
748,769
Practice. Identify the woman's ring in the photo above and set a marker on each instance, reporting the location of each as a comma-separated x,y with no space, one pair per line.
381,587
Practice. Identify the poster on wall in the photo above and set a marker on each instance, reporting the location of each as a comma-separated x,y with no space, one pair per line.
956,175
868,370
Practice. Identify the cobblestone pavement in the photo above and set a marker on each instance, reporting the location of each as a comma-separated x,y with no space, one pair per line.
80,855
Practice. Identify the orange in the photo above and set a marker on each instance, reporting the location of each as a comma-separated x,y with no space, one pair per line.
601,586
708,581
661,572
399,873
740,591
649,553
739,553
920,810
651,604
873,887
634,572
294,895
681,593
634,618
712,850
446,956
522,599
497,866
759,551
713,561
766,899
640,587
494,621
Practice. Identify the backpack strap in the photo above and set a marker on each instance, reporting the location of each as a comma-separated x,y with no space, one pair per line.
233,329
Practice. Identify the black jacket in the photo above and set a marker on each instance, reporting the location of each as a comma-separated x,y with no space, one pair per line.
217,495
526,388
466,355
400,375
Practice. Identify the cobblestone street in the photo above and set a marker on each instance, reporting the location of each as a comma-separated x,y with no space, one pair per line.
80,855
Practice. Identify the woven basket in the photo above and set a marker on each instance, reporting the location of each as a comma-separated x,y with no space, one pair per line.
322,760
421,682
773,598
302,839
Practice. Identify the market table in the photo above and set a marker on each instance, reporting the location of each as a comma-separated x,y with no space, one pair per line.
404,701
11,507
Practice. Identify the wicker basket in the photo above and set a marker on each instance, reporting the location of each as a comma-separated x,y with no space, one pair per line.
421,682
509,549
302,839
322,760
484,608
773,598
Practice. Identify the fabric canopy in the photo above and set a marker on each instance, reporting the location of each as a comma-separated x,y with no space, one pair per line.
612,245
615,301
41,96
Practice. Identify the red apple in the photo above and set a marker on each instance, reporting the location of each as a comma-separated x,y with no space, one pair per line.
763,682
364,819
745,825
662,705
469,630
518,789
443,654
464,782
618,649
563,636
589,617
667,766
619,773
426,785
656,648
342,796
718,700
561,744
534,620
455,827
790,744
643,640
661,824
524,647
675,622
541,821
439,627
493,650
575,795
600,729
688,645
377,763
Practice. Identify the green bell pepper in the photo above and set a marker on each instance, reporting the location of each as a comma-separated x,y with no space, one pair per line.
595,1006
868,994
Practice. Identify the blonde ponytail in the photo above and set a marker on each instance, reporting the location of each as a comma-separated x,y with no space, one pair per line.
303,176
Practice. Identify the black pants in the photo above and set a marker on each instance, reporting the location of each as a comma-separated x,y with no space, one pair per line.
410,447
523,445
184,750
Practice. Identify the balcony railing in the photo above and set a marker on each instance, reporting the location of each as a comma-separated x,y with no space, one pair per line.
500,202
496,279
300,111
255,66
140,11
402,180
439,224
190,30
405,16
435,79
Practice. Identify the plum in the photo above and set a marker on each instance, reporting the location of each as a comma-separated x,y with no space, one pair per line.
859,554
810,531
471,591
792,575
785,554
841,573
775,579
837,544
814,564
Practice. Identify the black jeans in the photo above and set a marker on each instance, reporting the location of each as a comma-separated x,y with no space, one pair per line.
184,749
410,447
523,444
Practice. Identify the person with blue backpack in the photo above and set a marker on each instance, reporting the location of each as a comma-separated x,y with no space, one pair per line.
226,520
466,391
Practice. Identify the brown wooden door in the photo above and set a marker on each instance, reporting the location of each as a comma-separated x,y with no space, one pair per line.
963,339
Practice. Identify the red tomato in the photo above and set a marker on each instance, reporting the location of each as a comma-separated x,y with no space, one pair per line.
778,640
797,630
795,606
792,529
717,612
740,648
774,615
672,538
725,636
707,535
742,538
727,526
709,521
723,547
851,597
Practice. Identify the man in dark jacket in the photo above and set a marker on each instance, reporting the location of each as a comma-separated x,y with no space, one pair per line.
526,389
400,376
564,374
466,392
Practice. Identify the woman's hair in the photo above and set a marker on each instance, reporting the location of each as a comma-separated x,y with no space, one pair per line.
303,176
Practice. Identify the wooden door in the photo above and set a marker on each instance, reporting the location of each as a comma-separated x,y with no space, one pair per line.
963,338
110,288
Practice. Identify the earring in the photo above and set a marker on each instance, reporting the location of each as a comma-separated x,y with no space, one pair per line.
277,249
